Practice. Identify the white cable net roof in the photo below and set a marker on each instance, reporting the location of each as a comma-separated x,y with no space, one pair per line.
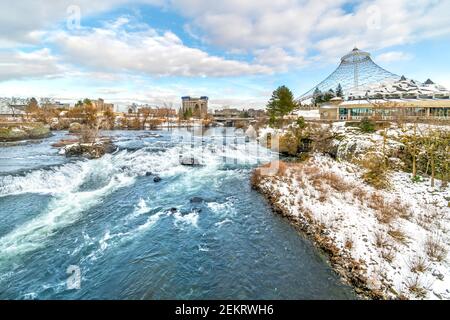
356,71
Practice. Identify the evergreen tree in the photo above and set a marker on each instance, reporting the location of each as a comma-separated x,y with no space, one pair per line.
280,104
328,95
339,91
317,96
87,102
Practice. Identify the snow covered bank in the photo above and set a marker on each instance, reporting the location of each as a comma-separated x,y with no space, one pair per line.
387,243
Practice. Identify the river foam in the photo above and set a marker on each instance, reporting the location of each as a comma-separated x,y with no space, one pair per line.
78,186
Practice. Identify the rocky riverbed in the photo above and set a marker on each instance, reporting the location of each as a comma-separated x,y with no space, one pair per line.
23,131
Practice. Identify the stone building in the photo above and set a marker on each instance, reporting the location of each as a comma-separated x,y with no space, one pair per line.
100,105
196,107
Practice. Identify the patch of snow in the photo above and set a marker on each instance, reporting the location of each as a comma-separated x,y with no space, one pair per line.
349,218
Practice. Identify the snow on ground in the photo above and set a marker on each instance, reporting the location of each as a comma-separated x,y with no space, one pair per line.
308,114
394,233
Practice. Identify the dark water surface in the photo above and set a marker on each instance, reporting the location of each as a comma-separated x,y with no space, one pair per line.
200,233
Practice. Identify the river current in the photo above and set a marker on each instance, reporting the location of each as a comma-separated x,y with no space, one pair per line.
104,229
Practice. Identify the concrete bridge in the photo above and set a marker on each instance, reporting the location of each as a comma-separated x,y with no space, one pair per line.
231,121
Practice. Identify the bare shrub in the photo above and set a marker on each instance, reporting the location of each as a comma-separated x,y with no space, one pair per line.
360,194
311,170
388,254
307,213
398,235
381,240
375,200
430,218
435,247
415,286
403,210
336,182
289,144
418,264
348,244
376,172
385,214
88,134
256,178
282,168
323,196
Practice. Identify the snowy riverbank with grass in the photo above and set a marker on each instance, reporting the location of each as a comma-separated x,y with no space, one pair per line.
388,243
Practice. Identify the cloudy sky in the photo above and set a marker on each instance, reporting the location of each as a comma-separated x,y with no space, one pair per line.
234,51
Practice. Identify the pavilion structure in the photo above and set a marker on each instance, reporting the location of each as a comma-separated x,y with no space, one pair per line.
370,91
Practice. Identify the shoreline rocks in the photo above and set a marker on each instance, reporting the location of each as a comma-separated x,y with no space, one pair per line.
89,150
75,127
10,132
348,268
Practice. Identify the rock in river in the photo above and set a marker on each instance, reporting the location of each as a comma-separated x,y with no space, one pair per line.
197,200
192,162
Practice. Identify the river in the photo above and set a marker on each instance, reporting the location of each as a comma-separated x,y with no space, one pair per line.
103,229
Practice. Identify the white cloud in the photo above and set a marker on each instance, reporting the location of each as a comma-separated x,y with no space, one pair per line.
300,27
278,58
38,63
147,51
20,20
305,26
393,56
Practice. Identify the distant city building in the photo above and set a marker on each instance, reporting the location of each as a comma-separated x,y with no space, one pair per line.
102,106
133,108
236,113
228,113
256,113
55,105
197,107
12,107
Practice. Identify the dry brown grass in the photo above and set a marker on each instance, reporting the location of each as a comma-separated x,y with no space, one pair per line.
376,172
398,235
374,200
256,178
403,210
418,264
349,242
416,287
430,218
311,170
386,212
388,254
280,169
307,213
336,182
381,241
323,197
360,194
322,181
435,247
